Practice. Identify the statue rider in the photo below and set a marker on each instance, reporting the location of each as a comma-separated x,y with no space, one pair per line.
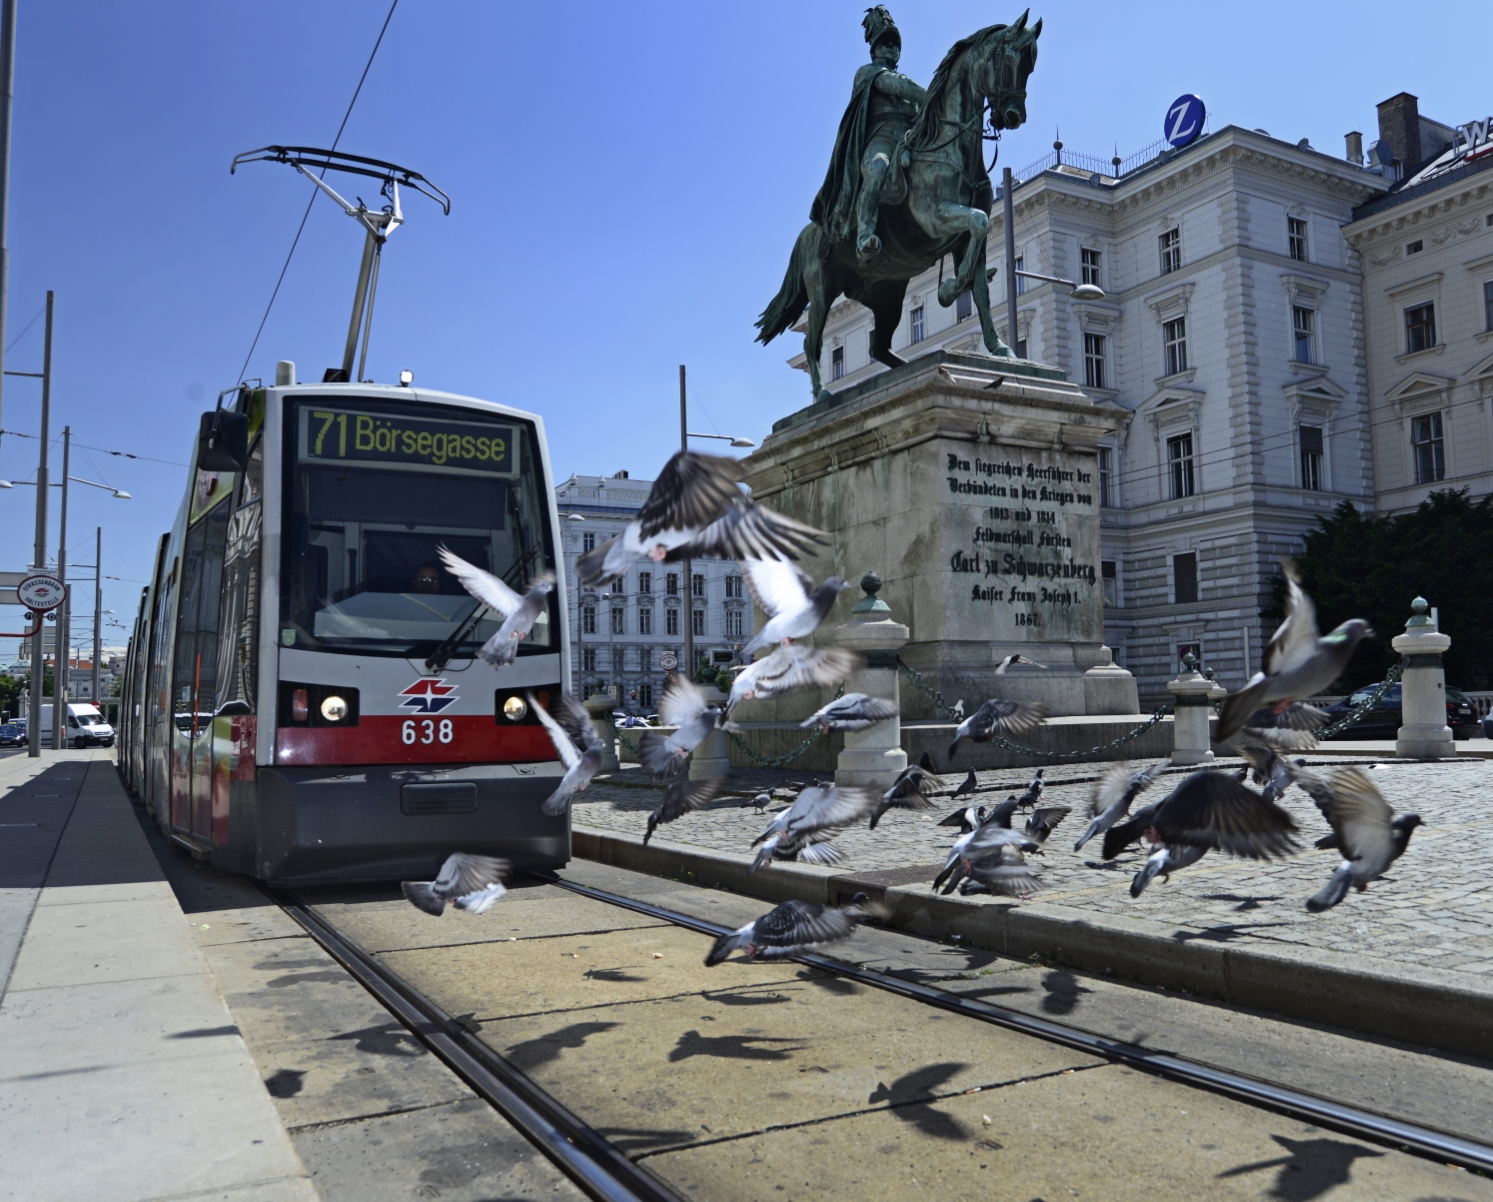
883,106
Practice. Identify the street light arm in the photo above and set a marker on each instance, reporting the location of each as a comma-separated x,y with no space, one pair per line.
731,438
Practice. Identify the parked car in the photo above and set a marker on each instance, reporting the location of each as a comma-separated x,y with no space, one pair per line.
12,735
1384,720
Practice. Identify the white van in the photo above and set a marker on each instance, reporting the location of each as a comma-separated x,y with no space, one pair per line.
85,725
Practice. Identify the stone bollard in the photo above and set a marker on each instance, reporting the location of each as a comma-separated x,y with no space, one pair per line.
874,756
711,758
1425,734
600,707
1192,741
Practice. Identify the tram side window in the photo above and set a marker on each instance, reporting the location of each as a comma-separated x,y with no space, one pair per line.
195,662
238,623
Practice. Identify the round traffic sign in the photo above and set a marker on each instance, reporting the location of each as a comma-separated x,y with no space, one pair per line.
668,661
41,592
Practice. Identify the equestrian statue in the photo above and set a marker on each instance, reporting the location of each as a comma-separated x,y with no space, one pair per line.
907,185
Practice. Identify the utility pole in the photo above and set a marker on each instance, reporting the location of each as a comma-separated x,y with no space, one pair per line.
98,609
1008,210
38,640
7,95
687,563
62,637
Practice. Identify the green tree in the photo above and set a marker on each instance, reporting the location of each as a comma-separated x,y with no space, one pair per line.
1372,567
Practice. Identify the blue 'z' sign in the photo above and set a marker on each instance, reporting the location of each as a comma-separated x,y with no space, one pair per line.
1184,120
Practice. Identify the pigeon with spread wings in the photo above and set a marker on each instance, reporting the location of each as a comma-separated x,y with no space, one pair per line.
1369,835
794,609
816,815
998,717
519,610
684,707
473,883
1213,811
853,711
576,742
912,790
791,929
792,668
680,798
1113,795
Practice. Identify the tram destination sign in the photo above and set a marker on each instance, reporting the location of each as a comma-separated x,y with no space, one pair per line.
353,436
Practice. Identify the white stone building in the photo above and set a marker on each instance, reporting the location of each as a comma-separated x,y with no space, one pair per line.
1232,337
620,633
1427,254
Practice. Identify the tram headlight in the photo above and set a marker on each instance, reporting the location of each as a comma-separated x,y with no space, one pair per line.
333,708
300,706
515,708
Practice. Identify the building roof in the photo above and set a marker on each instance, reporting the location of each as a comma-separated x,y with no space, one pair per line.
1450,167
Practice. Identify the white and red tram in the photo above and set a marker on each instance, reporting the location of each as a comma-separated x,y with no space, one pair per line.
303,701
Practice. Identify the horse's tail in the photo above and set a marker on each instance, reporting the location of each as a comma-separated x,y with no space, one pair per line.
792,297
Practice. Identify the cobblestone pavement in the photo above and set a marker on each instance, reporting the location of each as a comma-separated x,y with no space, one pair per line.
1435,907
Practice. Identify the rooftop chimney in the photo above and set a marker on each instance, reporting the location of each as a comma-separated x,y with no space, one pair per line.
1399,125
1355,148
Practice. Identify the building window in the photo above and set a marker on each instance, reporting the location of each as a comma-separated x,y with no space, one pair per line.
837,363
697,584
645,582
619,620
1420,328
1090,266
1296,236
1174,334
1488,305
697,621
733,587
1020,279
1193,649
588,659
1414,248
1171,251
619,586
1093,360
1110,584
645,619
671,621
645,695
919,326
671,583
733,623
1106,477
1185,578
1311,457
1430,451
1021,348
964,307
1179,461
1301,325
588,619
588,541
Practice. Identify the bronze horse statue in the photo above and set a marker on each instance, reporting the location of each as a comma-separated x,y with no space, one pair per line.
947,205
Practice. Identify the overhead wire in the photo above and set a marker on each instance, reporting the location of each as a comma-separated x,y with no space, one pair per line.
315,191
27,330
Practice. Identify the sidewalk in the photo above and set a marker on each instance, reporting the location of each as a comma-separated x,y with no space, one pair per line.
122,1075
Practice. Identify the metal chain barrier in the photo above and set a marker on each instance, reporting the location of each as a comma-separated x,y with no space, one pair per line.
1373,699
773,761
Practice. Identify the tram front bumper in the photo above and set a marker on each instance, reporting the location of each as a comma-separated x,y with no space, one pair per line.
396,822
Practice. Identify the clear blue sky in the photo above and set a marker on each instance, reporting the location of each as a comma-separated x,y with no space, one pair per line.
627,181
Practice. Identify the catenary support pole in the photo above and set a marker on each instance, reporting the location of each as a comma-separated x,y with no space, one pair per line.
687,668
38,640
1008,210
98,609
61,636
7,95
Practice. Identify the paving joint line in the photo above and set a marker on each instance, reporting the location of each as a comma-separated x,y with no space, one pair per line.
304,1128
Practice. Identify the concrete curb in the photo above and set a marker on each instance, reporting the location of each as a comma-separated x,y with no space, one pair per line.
1413,1004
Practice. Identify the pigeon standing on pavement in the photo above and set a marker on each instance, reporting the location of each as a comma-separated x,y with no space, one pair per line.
1369,836
680,798
473,883
783,593
577,744
792,668
1113,795
758,803
854,711
968,785
1299,662
998,717
683,706
519,610
912,790
791,929
696,508
1034,789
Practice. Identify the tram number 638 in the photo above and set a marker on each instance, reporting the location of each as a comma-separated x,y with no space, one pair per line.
427,730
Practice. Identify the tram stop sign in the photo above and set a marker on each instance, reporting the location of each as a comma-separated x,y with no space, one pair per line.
668,661
41,592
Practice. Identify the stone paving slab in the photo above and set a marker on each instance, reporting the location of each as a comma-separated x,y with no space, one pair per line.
1434,909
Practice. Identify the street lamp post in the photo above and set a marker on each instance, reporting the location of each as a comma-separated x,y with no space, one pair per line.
1008,211
98,607
61,637
38,670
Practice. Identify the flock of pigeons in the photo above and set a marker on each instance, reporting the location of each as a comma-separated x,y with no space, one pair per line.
697,507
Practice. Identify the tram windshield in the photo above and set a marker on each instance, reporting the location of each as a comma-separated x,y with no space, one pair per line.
373,490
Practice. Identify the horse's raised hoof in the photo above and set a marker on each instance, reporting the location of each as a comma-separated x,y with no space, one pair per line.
868,248
948,291
822,396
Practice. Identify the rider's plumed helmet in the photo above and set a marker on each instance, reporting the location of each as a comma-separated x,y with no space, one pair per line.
880,27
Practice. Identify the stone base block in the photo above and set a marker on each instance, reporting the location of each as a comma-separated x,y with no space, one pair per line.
1425,743
876,767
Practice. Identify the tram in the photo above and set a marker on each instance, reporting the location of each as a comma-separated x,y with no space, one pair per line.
302,698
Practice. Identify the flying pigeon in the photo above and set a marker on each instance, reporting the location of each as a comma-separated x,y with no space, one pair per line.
854,711
925,762
1299,662
968,785
683,706
1213,811
912,790
680,798
1320,791
576,742
791,668
966,819
1369,835
1165,860
816,815
1007,872
1270,767
1113,795
794,609
1043,822
474,883
696,508
790,930
957,712
1000,669
997,717
985,840
1033,792
519,611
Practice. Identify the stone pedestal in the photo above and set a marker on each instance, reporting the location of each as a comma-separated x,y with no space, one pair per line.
600,707
709,760
971,485
1425,734
1192,741
874,756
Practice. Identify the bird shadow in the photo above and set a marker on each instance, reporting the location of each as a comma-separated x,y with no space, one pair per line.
285,1083
385,1039
616,975
532,1053
836,985
1223,934
729,998
908,1098
731,1047
1063,992
645,1139
1312,1168
1245,903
